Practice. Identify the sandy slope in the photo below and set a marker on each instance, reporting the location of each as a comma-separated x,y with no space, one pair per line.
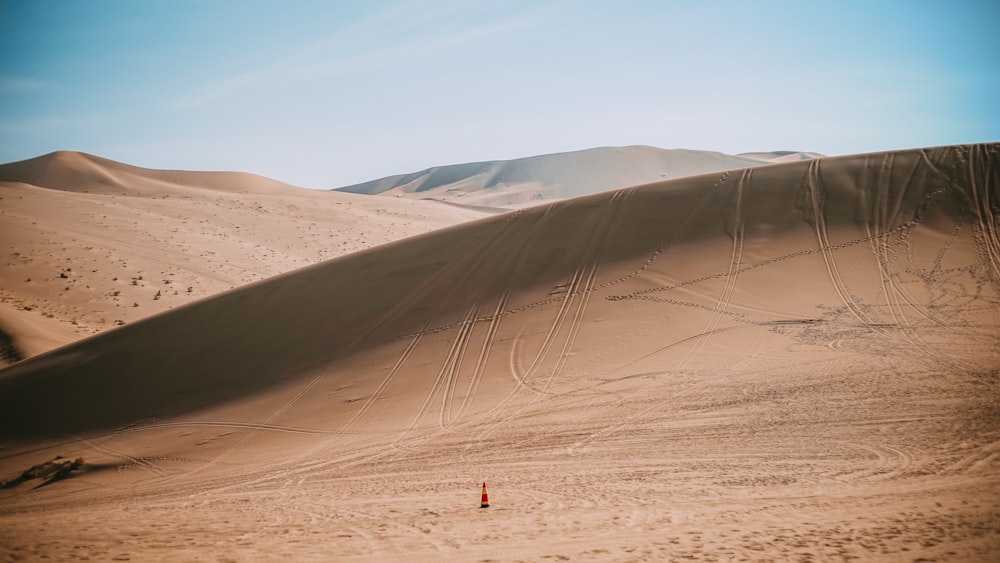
535,180
792,362
88,244
774,157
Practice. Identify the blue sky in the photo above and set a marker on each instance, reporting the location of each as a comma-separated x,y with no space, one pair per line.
329,93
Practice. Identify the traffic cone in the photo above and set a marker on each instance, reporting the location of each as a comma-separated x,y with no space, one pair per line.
486,498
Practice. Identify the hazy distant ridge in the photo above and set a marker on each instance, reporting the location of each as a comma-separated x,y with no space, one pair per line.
524,181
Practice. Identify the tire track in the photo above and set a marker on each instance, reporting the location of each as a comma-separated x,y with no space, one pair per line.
735,259
877,217
474,258
930,278
485,351
593,257
881,250
231,424
451,269
987,211
586,289
890,462
813,183
649,261
549,338
896,296
447,381
982,458
412,297
792,255
556,325
574,328
251,433
449,376
515,354
133,461
579,289
323,374
453,367
677,343
393,371
812,186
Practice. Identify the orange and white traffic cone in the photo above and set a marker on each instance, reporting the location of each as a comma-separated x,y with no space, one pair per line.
486,498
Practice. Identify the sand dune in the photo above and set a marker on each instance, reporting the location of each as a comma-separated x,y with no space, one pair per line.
791,362
80,172
524,182
774,157
89,244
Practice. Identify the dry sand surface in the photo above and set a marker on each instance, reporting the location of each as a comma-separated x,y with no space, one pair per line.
88,244
535,180
792,362
774,157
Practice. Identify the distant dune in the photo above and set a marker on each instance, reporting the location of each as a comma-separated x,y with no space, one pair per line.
774,157
80,172
790,362
530,181
89,244
105,243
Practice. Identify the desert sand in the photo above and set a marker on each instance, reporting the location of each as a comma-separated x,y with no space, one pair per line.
89,244
536,180
780,156
791,362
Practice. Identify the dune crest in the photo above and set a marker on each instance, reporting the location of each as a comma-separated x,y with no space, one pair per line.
90,244
793,362
81,172
525,182
781,156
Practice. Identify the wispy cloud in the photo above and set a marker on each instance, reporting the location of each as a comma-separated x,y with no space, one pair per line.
398,54
370,44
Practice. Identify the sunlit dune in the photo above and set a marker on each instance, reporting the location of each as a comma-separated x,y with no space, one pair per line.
780,156
797,361
88,244
525,182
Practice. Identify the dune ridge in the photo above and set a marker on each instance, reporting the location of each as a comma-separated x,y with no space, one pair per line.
534,180
90,244
797,361
297,306
781,156
81,172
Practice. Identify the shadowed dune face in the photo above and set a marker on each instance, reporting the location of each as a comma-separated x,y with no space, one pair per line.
89,244
793,361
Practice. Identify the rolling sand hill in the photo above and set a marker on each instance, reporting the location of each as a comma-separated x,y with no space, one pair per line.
524,182
774,157
88,243
791,362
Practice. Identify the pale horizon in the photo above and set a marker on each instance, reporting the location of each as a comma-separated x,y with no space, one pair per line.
332,94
